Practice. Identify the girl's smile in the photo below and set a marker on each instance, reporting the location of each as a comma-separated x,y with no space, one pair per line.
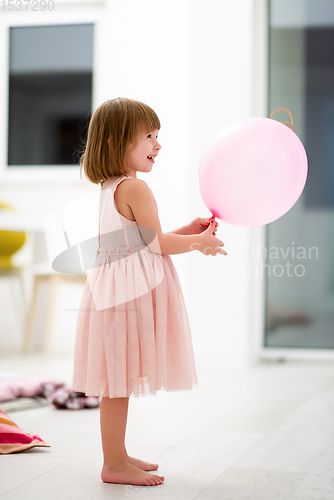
151,158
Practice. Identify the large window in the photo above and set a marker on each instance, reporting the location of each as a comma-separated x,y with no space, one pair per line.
50,93
300,289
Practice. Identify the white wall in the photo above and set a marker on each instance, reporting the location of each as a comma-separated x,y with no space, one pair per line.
221,92
191,61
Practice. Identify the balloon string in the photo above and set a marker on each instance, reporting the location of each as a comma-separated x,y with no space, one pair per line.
283,109
211,218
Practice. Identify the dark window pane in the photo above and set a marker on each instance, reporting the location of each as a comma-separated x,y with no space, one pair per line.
319,121
50,93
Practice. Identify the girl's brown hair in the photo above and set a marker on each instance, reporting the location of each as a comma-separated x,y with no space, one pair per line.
114,125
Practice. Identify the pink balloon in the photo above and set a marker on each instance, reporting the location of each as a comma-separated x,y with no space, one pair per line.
253,172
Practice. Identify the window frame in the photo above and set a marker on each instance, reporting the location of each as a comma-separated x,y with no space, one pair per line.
30,174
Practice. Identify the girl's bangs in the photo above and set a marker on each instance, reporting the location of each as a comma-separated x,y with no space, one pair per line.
148,120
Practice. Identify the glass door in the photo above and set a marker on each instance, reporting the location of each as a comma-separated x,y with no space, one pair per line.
300,245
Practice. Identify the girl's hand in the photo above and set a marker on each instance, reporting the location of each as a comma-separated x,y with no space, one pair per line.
209,244
198,225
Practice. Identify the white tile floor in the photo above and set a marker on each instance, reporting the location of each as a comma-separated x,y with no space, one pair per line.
265,432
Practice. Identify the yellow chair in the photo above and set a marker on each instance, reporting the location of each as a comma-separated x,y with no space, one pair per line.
10,243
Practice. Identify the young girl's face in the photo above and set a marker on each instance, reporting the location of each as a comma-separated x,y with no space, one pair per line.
141,158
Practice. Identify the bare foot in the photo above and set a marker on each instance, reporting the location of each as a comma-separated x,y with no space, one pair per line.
141,464
124,473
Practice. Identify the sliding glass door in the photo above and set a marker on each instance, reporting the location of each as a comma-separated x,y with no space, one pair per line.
300,245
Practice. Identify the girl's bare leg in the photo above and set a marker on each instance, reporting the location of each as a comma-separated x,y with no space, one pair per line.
116,468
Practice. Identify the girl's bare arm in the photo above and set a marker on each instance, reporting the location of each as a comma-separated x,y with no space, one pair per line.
139,198
181,230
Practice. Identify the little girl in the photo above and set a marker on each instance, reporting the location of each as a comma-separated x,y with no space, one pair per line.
132,332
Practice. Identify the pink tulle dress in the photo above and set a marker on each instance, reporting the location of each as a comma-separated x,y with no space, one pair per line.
132,334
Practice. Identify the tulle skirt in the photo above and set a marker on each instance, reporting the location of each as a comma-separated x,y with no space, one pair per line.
132,335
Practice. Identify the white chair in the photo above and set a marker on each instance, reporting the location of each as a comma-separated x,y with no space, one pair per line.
11,274
44,273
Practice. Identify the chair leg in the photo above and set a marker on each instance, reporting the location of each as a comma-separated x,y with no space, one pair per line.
13,293
54,282
23,300
31,314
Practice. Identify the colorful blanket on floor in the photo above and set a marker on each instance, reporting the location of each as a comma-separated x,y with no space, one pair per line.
13,439
57,393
